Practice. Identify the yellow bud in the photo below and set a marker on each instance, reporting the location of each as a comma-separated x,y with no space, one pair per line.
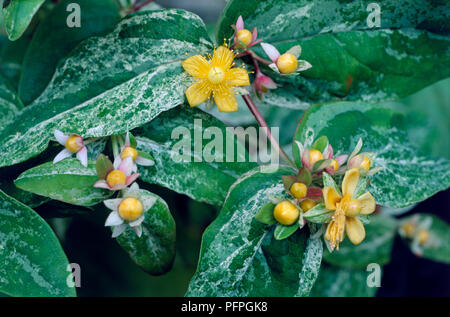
72,145
335,164
353,208
245,36
423,236
314,156
116,177
216,75
409,229
287,63
286,213
299,190
129,151
365,163
130,209
307,204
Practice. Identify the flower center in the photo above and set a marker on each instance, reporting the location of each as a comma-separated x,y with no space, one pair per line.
314,156
365,163
216,75
287,63
129,151
130,209
73,144
286,213
245,36
116,177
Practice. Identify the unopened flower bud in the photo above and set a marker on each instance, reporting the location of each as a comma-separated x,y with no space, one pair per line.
286,213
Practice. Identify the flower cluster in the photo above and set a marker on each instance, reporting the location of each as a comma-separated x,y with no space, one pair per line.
315,197
129,208
216,75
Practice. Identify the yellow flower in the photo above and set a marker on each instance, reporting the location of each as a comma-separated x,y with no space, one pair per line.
217,77
347,208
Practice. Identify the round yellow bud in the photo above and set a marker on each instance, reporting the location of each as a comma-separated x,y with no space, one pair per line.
216,75
365,163
409,229
334,164
314,156
286,213
72,145
287,63
116,177
130,209
423,236
129,151
353,208
299,190
307,204
245,36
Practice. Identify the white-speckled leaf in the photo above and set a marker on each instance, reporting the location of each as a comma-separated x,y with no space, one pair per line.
32,260
66,181
239,255
311,266
10,104
202,181
351,57
408,176
154,251
17,15
340,282
111,83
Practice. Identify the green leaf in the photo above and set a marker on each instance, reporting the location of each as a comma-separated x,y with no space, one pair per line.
11,59
437,246
282,232
265,214
350,58
318,214
10,104
111,83
187,163
17,15
25,197
376,247
53,40
383,132
33,262
239,256
103,166
154,251
320,144
339,282
66,181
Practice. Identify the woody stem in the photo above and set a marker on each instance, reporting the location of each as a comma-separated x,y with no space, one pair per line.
260,119
139,6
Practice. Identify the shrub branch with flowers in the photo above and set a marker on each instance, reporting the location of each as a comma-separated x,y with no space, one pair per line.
96,134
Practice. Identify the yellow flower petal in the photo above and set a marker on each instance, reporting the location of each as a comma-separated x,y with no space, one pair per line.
350,181
330,197
237,77
225,99
198,93
223,58
367,203
197,66
354,229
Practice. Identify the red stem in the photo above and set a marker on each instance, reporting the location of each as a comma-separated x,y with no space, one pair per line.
139,6
260,119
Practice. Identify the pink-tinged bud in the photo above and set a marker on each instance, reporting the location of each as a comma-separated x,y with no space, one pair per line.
263,83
